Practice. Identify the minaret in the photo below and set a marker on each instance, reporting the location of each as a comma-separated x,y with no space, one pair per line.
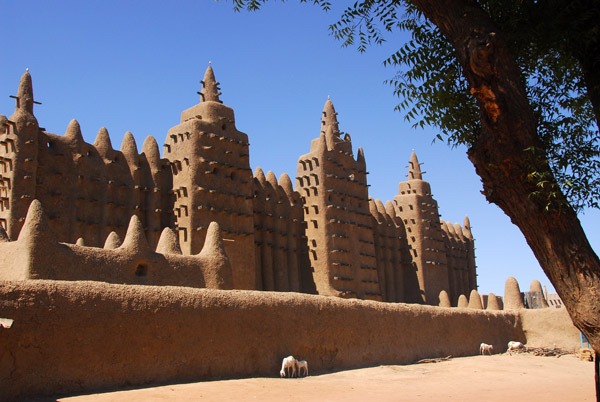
470,253
212,181
414,168
154,179
333,186
210,87
24,98
19,139
419,211
329,117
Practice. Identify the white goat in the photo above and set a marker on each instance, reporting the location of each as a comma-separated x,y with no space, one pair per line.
514,345
484,347
288,363
302,364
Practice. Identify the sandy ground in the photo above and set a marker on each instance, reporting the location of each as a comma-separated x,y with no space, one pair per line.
478,378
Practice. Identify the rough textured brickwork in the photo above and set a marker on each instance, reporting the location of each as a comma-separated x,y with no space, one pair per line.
212,180
327,236
336,206
81,337
87,190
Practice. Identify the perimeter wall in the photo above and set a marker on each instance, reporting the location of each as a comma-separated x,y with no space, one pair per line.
77,337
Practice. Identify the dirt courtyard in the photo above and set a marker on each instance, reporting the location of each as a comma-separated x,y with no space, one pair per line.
477,378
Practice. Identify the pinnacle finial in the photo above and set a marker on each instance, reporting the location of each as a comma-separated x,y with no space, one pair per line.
271,179
329,118
475,300
129,149
414,169
492,302
444,299
259,174
135,239
217,274
150,149
35,228
360,157
463,302
467,228
168,243
25,93
373,207
102,142
286,184
112,242
380,207
512,295
210,87
74,131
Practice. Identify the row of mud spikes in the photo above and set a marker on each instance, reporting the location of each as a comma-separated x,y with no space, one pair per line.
512,297
36,230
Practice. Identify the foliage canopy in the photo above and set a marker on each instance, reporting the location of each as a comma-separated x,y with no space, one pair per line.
546,41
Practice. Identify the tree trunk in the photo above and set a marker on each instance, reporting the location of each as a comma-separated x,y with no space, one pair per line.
508,150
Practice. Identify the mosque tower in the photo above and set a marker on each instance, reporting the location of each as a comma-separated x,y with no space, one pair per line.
419,211
88,191
18,169
212,180
334,189
327,237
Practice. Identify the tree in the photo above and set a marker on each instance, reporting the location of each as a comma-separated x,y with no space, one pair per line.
518,82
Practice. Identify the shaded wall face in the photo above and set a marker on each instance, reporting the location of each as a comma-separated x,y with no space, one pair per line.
340,237
281,262
7,162
88,195
214,334
442,253
18,165
309,182
419,214
85,194
392,254
212,181
458,251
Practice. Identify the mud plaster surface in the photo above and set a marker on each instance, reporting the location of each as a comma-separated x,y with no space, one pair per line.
73,337
477,378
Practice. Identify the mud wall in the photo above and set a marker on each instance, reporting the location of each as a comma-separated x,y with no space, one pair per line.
75,337
550,327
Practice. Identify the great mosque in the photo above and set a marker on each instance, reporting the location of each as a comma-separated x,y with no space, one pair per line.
199,217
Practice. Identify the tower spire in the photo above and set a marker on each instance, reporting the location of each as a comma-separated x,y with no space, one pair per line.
467,228
329,118
414,169
210,87
25,93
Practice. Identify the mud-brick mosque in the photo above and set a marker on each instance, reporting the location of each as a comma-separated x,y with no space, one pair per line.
199,217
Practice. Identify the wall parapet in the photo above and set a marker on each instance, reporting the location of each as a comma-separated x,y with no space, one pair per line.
75,337
37,255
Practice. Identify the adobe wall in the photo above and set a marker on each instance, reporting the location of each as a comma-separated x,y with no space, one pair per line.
326,238
74,337
212,180
550,327
281,262
37,255
396,270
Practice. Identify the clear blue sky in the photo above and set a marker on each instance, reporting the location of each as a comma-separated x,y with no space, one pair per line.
135,65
